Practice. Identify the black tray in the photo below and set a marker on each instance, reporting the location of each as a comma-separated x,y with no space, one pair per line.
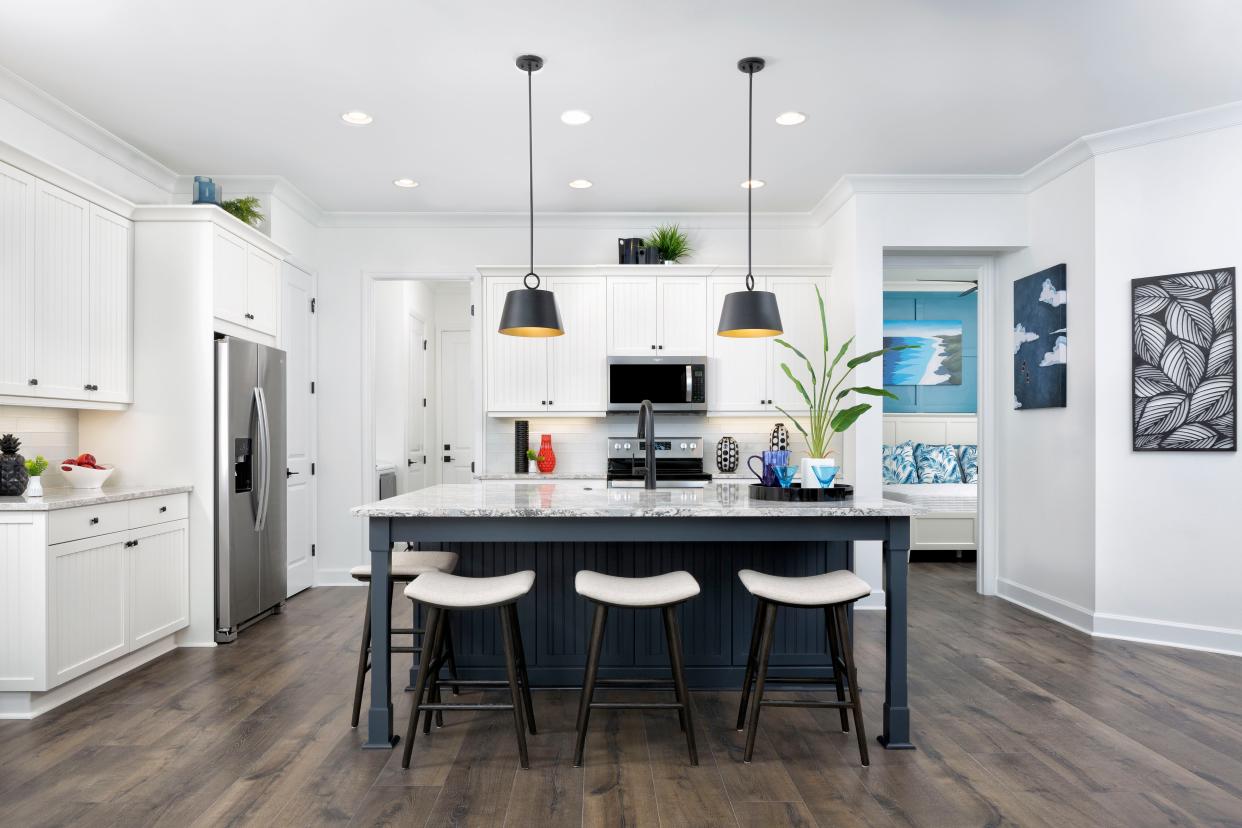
796,493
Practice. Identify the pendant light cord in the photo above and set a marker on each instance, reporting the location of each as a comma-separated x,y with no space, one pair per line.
530,152
750,177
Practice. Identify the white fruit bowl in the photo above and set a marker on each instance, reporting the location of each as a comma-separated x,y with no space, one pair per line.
78,477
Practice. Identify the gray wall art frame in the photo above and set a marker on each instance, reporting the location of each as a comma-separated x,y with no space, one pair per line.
1185,364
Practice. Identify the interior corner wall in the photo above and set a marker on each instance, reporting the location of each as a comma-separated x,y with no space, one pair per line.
1046,499
1168,558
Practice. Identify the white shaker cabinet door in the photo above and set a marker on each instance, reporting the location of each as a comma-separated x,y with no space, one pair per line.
632,316
228,265
109,348
682,304
156,565
795,296
17,258
517,366
87,610
62,250
737,379
577,361
262,289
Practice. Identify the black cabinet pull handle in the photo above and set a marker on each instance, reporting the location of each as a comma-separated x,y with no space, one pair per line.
448,459
653,347
163,509
661,347
250,316
33,382
94,520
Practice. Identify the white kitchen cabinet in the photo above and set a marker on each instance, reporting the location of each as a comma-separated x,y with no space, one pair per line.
17,241
577,361
262,288
156,568
681,302
649,313
737,377
109,358
228,268
88,616
517,366
795,295
62,251
632,319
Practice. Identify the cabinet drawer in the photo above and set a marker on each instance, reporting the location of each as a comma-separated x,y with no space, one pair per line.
151,510
86,521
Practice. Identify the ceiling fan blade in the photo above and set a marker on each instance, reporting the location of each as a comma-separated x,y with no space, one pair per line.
969,290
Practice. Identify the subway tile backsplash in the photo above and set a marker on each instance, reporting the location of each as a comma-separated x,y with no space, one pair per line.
52,432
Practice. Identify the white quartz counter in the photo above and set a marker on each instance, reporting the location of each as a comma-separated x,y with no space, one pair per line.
67,498
567,498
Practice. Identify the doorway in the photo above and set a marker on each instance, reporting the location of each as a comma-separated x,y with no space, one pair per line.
297,340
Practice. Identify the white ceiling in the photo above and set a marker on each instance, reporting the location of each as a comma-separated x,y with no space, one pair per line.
249,87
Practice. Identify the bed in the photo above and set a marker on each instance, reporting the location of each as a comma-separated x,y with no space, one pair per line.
952,520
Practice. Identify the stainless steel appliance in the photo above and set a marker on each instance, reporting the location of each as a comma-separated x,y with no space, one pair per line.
672,383
679,462
250,484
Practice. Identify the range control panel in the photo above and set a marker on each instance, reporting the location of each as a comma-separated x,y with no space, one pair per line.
625,448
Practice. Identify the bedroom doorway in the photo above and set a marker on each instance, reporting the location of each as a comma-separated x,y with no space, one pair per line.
935,433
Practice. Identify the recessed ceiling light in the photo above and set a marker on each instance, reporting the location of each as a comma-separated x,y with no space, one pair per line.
407,183
575,117
580,184
357,118
790,118
753,183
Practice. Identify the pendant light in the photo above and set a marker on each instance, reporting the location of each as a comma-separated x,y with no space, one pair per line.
530,311
750,312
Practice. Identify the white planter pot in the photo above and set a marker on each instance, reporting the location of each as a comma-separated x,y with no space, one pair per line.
34,487
809,480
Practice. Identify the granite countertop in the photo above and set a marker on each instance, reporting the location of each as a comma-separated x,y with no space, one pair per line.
533,478
66,498
578,499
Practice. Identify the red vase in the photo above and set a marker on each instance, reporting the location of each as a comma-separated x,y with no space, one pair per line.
547,457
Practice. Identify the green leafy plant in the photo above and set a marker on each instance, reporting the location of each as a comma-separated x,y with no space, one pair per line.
825,416
532,455
246,209
36,466
670,241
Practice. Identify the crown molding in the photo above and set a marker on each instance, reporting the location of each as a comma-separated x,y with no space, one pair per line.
209,213
66,180
273,186
572,221
738,271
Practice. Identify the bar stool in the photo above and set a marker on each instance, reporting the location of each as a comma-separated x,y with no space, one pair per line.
833,591
662,592
407,565
443,593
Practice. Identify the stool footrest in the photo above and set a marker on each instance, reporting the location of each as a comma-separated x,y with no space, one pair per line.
636,706
474,682
447,706
828,681
797,703
635,683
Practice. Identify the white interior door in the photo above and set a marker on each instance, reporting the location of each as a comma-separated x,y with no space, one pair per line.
455,390
417,472
298,341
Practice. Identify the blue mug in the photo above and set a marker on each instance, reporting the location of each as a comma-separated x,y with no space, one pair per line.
770,459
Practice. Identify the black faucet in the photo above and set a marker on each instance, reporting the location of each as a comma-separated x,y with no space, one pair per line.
646,432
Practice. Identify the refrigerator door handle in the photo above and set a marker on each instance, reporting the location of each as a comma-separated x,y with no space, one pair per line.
265,461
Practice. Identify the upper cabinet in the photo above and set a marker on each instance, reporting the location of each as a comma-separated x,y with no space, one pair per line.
65,274
657,313
245,283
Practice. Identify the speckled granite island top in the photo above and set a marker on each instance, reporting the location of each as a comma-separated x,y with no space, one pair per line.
67,498
567,498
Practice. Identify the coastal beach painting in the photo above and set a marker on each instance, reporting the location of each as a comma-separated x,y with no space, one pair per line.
936,361
1040,343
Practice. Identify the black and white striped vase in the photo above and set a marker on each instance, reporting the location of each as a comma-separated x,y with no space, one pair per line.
728,455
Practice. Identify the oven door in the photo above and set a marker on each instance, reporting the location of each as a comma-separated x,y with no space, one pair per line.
671,383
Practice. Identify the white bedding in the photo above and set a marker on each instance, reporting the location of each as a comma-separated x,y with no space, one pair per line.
936,497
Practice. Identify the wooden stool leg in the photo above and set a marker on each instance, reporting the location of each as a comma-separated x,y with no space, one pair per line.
436,643
830,627
514,690
451,656
424,665
752,654
521,664
362,662
847,649
588,681
679,679
765,651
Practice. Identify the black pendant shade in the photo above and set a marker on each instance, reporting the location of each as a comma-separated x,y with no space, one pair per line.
530,311
750,312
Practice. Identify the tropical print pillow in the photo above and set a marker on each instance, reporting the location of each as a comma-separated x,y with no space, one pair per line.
968,459
937,464
899,466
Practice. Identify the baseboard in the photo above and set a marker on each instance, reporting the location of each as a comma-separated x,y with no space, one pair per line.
1049,606
1169,633
335,577
874,601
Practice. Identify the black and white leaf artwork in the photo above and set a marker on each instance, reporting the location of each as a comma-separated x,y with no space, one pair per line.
1185,364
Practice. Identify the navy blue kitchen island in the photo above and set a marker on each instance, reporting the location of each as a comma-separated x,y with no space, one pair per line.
559,527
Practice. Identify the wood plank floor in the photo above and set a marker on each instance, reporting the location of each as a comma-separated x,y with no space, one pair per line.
1019,721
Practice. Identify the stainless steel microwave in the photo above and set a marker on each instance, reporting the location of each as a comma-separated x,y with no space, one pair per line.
672,383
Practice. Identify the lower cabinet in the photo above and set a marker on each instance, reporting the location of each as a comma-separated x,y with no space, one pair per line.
157,575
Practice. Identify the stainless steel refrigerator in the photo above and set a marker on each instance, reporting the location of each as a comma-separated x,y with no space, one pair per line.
250,484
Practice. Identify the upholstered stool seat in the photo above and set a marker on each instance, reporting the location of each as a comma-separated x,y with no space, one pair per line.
839,587
408,564
457,592
656,591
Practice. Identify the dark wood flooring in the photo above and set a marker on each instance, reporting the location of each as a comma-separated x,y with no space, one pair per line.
1019,721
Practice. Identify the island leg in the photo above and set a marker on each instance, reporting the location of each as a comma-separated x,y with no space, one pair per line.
896,734
379,716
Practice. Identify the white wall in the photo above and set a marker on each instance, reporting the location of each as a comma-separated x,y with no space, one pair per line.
1168,557
389,375
1046,493
51,432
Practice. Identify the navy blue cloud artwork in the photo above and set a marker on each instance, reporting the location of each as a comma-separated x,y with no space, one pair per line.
1039,339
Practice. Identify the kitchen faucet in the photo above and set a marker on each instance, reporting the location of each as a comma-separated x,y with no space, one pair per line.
646,433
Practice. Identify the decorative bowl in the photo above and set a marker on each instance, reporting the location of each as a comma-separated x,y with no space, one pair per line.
79,477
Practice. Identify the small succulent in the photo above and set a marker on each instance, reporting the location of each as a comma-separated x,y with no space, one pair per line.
36,466
531,454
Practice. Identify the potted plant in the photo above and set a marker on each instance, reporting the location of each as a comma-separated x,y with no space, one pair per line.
533,457
35,468
246,209
825,416
670,242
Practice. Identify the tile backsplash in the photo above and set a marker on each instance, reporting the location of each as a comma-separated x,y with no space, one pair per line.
52,432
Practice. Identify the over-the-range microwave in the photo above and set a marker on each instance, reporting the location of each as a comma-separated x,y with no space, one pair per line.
672,383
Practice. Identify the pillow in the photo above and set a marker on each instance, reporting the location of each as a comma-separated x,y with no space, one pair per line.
937,464
899,464
968,459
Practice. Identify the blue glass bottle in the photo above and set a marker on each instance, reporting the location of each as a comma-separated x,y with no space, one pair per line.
205,191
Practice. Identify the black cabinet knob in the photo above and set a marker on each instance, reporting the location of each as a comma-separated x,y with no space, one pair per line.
33,382
653,347
163,509
250,316
94,520
661,347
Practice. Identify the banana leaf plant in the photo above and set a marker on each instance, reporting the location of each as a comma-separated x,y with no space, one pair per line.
824,398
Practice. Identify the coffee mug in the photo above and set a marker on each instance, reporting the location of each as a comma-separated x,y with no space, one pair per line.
769,459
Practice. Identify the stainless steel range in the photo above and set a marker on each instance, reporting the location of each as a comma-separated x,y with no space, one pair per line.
679,462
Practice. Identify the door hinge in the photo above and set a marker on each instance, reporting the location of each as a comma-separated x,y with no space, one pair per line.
312,304
472,467
312,550
312,386
424,459
424,402
312,469
472,310
424,344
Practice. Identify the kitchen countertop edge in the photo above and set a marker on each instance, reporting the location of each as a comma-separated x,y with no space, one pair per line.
66,498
